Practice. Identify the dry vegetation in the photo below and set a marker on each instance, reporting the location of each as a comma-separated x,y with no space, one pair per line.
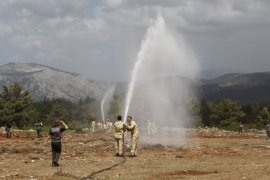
206,155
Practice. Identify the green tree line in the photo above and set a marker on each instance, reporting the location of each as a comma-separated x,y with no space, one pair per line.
229,113
18,107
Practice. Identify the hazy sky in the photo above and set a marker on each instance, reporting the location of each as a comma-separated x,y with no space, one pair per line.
100,38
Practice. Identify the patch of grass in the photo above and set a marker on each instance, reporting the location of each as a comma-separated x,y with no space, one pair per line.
19,150
16,149
3,149
34,157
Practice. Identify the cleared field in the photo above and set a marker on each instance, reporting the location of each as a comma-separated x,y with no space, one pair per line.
88,155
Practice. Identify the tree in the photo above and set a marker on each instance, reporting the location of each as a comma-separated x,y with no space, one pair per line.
205,112
227,113
89,118
263,117
16,105
115,106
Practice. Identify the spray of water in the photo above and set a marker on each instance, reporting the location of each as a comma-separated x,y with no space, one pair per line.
142,55
160,88
106,100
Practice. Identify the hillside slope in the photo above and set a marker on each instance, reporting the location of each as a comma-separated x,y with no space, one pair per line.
43,81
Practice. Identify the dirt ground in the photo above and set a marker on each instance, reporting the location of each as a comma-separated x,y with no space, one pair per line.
91,156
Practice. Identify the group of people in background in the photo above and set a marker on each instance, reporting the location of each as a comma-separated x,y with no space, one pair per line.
8,128
267,129
106,125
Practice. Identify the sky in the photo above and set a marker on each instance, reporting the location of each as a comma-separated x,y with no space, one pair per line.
100,38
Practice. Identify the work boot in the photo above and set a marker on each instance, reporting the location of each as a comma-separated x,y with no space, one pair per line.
55,164
117,154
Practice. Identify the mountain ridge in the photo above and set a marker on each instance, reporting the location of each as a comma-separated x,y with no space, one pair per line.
245,87
44,81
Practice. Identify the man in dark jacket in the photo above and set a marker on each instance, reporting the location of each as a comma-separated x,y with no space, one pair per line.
55,134
8,129
39,128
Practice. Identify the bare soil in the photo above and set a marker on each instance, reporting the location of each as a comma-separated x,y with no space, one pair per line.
91,156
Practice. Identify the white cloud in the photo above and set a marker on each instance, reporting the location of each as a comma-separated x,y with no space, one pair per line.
101,38
5,30
113,3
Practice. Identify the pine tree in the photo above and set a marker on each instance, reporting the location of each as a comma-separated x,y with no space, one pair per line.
263,117
227,113
16,105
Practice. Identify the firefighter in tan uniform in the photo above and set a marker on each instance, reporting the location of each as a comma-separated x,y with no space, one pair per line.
93,126
119,129
134,130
